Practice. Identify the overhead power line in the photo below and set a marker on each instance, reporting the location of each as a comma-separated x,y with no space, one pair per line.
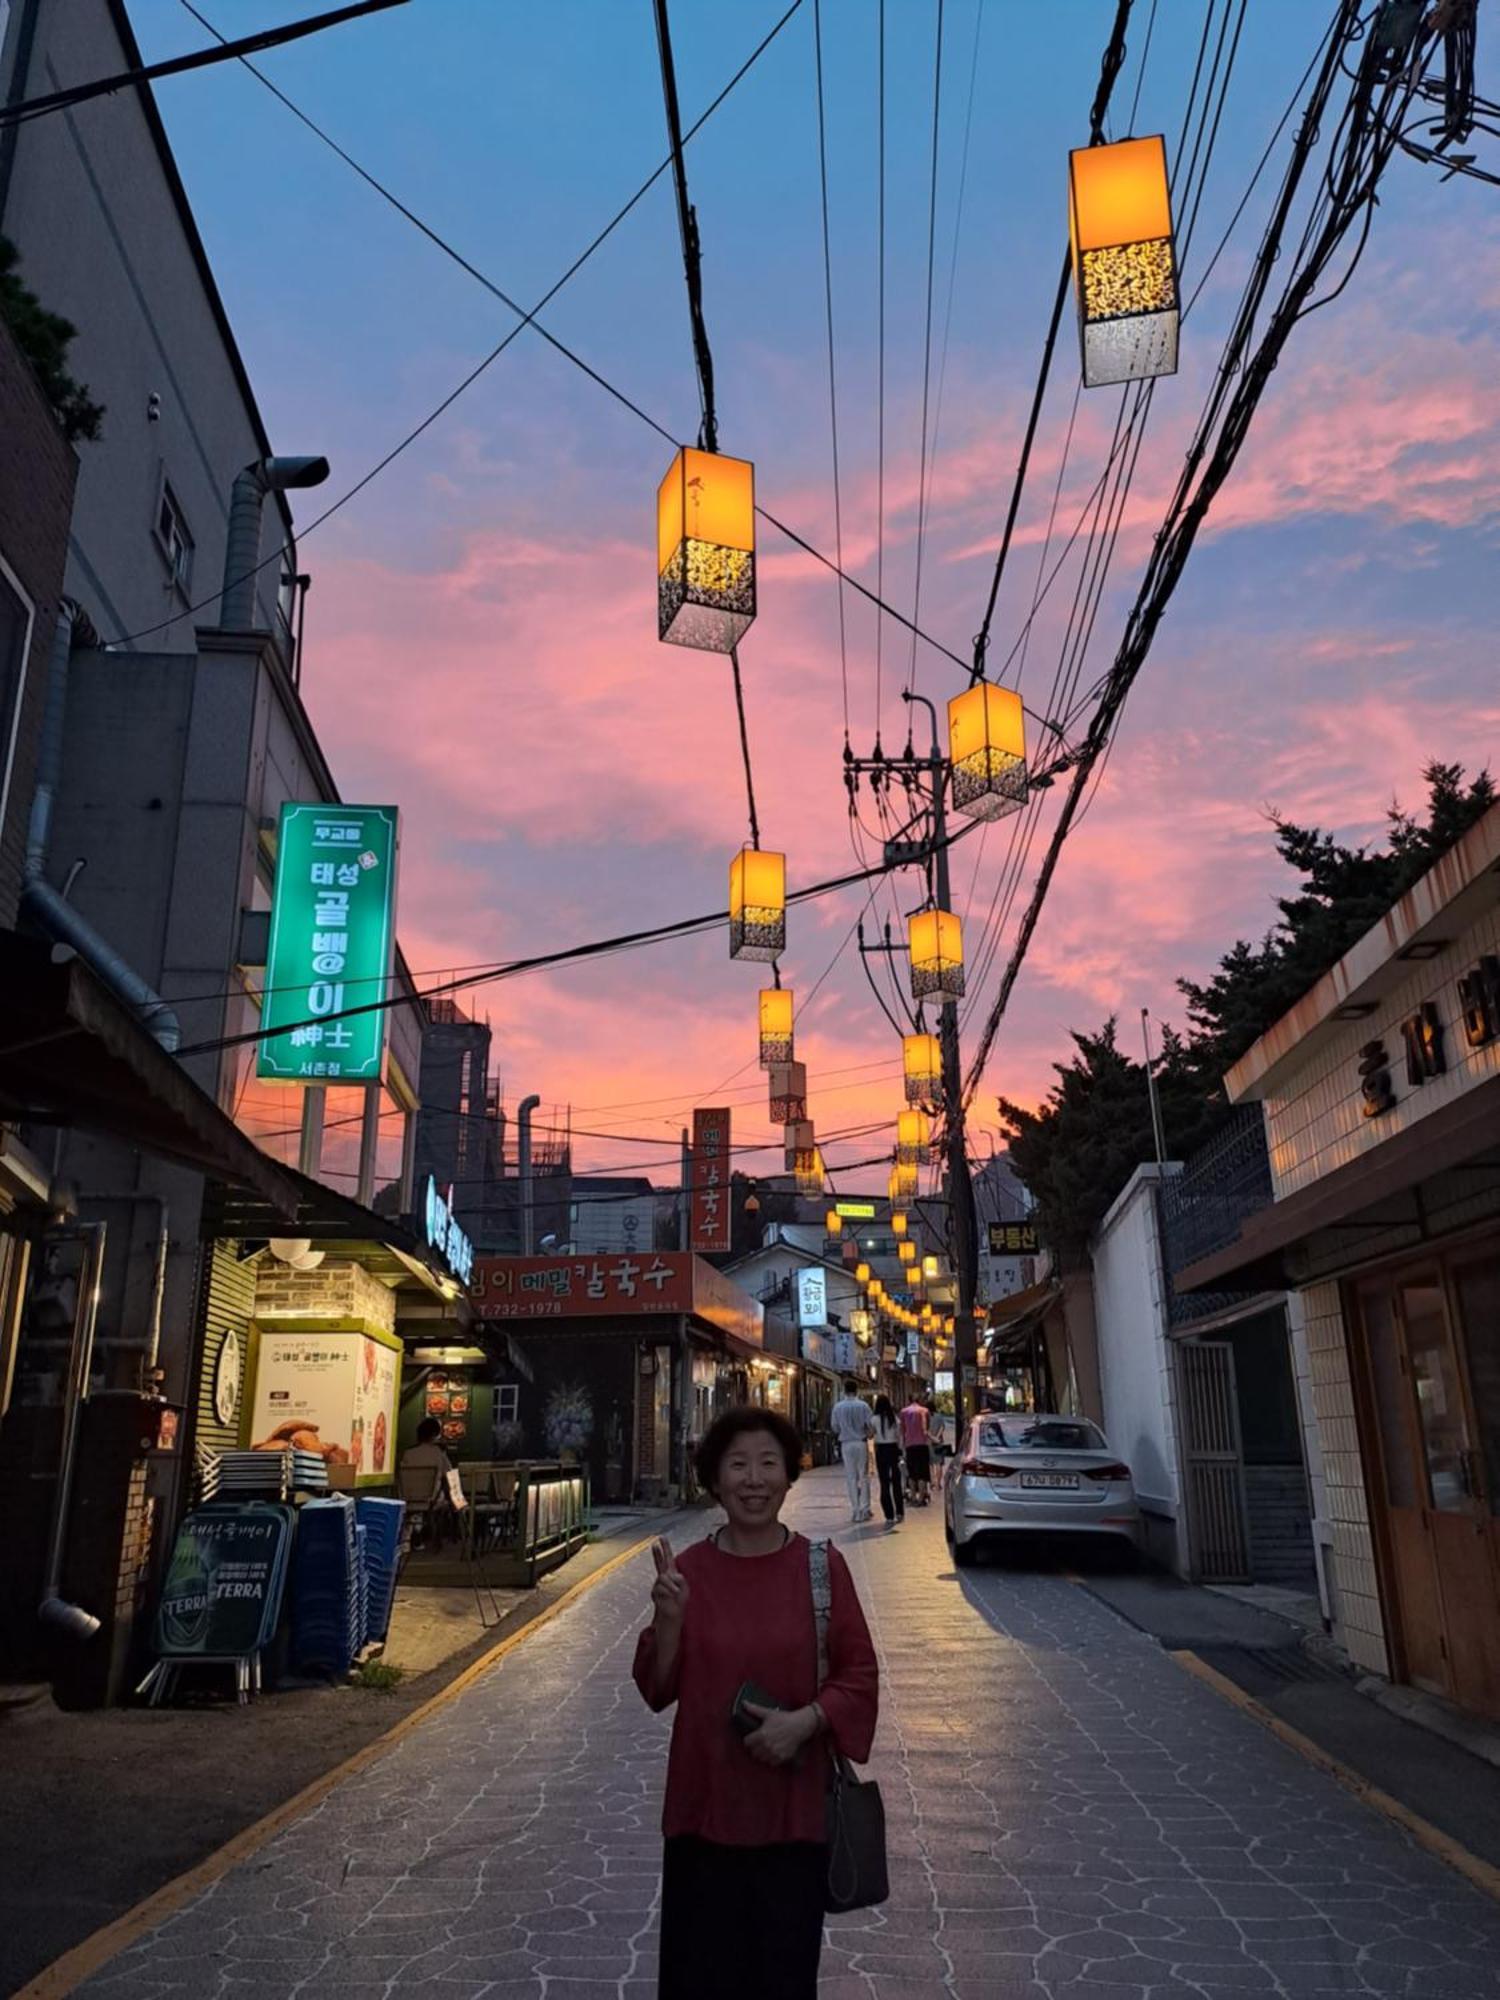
130,79
1366,136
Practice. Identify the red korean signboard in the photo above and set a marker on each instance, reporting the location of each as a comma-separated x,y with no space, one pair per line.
710,1212
605,1286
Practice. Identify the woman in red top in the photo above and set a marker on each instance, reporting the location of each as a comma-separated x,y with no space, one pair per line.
746,1861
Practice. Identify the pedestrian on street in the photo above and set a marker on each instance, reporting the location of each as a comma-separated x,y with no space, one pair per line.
853,1426
918,1451
888,1461
733,1641
939,1437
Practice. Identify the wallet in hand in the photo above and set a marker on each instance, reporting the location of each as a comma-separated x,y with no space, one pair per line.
745,1723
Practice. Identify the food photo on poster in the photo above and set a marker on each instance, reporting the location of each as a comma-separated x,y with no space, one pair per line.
329,1392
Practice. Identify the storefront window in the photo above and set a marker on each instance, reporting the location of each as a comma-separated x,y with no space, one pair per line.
1440,1408
1377,1310
391,1195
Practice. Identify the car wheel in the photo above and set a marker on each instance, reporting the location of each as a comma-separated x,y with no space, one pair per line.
947,1529
965,1555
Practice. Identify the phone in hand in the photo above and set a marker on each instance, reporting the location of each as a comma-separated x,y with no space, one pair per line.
749,1694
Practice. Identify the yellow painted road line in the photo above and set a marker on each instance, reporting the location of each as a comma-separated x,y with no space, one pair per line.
66,1974
1483,1874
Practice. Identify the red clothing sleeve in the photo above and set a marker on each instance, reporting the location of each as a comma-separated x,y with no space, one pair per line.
850,1697
656,1692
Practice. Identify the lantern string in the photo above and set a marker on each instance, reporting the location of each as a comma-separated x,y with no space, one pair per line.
739,707
1109,68
880,395
687,221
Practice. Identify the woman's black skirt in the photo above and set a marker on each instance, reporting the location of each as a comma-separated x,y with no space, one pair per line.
741,1923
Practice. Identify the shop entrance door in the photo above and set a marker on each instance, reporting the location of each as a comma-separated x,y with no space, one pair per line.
1438,1419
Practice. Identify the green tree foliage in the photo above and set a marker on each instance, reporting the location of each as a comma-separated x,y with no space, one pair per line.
44,338
1079,1149
1094,1130
1344,891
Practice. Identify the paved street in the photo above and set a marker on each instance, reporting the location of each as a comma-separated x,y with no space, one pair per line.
1071,1814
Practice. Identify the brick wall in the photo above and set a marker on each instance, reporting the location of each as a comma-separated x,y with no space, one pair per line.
336,1290
1350,1554
38,470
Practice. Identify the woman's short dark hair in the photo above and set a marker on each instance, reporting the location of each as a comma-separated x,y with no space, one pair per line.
737,1423
429,1431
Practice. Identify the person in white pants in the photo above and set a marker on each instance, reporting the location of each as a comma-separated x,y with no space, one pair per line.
853,1424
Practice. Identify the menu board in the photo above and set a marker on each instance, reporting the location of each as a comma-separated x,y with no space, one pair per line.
447,1397
222,1596
328,1392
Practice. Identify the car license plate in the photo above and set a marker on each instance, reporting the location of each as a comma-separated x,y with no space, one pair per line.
1054,1482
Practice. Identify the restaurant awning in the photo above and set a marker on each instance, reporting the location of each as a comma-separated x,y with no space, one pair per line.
71,1054
1012,1320
339,1226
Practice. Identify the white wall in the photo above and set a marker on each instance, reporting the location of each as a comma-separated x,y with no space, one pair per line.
1349,1558
1135,1361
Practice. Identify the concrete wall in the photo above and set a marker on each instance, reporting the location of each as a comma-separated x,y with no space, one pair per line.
1137,1377
92,209
37,471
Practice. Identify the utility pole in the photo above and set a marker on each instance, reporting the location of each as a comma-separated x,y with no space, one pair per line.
963,1245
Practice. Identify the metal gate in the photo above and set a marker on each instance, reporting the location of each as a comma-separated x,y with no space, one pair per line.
1218,1522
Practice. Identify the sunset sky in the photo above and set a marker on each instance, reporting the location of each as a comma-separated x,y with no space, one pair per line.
481,629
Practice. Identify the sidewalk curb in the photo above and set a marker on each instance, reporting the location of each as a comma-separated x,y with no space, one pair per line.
1484,1875
66,1974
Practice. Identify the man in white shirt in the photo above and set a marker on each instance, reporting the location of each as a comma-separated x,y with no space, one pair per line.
853,1425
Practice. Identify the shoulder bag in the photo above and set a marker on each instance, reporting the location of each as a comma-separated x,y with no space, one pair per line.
857,1871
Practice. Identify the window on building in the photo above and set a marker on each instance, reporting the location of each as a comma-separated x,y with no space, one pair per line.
507,1402
174,539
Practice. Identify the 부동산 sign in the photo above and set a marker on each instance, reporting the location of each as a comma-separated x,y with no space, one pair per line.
333,922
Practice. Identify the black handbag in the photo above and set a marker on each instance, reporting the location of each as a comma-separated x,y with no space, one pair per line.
857,1872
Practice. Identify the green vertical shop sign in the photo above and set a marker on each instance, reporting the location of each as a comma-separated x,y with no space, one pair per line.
333,922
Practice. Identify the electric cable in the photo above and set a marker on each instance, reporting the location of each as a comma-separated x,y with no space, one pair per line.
937,103
833,402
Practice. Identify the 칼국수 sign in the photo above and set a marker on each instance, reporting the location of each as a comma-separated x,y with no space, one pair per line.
332,942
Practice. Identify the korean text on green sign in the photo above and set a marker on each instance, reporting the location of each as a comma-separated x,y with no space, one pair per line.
332,944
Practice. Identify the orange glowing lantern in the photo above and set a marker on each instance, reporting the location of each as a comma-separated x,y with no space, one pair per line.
987,746
757,905
705,551
775,1025
1124,261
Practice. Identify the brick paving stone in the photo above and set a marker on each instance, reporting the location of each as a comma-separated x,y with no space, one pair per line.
1071,1818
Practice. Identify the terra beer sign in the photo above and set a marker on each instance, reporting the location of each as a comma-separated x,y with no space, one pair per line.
710,1215
332,942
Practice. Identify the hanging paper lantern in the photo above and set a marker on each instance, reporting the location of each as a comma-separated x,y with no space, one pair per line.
898,1222
789,1097
1124,261
906,1250
922,1063
935,941
775,1025
809,1172
929,1267
757,905
705,551
987,748
862,1274
798,1138
833,1223
913,1138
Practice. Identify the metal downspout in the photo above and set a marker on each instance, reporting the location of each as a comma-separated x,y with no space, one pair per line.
48,906
523,1167
54,1611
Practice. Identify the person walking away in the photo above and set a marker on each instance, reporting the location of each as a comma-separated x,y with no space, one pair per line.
888,1461
918,1451
853,1426
733,1642
938,1437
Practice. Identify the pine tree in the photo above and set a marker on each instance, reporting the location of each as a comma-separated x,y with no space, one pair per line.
44,338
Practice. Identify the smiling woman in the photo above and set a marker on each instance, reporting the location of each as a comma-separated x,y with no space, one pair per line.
734,1643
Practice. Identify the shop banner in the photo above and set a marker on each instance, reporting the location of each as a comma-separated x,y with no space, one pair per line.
615,1287
1013,1239
326,1391
332,944
710,1211
222,1596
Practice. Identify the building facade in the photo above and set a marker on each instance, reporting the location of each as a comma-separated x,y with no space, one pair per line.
1381,1096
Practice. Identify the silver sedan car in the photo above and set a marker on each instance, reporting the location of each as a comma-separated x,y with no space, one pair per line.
1021,1473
